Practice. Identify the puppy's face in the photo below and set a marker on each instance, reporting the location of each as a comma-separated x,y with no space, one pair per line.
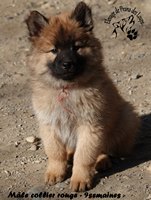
64,45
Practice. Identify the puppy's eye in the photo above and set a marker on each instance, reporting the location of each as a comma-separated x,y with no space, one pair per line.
75,48
54,50
77,45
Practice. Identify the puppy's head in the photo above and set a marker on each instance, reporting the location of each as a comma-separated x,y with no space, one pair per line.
64,48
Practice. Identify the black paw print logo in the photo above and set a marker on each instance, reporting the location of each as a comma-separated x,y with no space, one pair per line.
132,34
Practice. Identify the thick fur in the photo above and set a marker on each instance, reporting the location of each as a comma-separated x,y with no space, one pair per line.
85,116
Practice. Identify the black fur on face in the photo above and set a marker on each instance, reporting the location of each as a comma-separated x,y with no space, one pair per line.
68,64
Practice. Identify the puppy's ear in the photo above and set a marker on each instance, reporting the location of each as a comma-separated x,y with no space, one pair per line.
35,23
83,15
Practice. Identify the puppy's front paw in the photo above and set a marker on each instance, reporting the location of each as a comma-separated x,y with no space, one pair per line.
81,181
55,175
51,178
80,185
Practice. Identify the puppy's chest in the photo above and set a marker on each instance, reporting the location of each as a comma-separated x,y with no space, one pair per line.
65,112
66,109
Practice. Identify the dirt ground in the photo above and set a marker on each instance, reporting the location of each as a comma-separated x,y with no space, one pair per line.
129,64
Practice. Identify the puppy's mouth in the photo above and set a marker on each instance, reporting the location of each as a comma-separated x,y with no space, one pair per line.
68,74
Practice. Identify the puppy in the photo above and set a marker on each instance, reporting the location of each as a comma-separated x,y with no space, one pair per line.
78,107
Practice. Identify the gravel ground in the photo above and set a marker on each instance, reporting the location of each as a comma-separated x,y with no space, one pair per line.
22,158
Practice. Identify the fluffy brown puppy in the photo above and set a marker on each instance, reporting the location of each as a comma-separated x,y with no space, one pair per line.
78,107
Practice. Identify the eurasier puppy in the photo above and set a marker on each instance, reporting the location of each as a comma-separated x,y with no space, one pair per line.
79,109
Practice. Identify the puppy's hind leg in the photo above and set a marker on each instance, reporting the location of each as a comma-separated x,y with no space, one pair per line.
57,157
103,162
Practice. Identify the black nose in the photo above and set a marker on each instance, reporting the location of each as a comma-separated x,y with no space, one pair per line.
67,65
